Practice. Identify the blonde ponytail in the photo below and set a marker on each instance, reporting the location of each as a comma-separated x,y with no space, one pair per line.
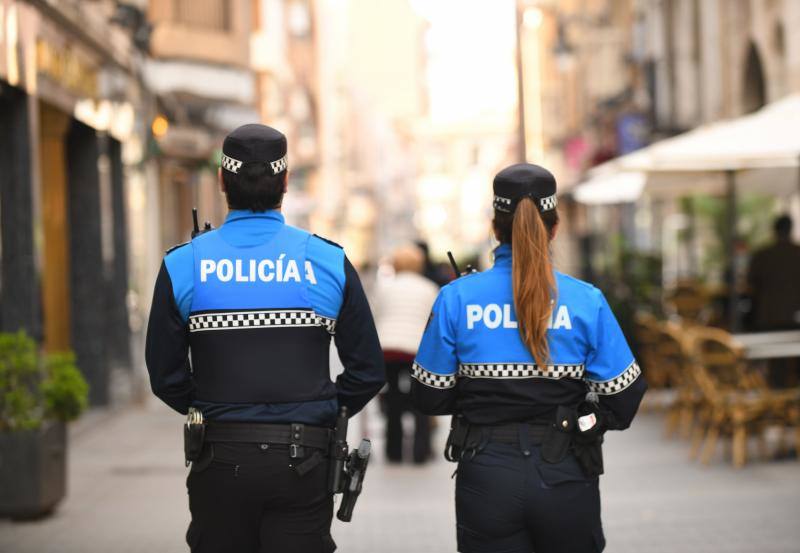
533,280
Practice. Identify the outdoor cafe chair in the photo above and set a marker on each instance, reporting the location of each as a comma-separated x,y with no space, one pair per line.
736,403
673,357
646,328
688,301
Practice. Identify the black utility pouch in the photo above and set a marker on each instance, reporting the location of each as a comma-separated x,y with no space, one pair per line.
558,438
193,438
590,456
457,439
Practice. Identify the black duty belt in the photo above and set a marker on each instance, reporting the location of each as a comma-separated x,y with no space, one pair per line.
298,435
510,433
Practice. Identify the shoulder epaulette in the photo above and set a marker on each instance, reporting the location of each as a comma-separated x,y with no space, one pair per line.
331,242
175,247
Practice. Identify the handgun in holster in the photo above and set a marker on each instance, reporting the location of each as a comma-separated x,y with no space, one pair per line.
347,468
338,454
356,470
194,432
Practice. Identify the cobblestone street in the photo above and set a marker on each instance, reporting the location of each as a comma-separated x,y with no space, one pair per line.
126,494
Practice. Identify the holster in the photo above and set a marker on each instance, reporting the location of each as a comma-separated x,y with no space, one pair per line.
588,443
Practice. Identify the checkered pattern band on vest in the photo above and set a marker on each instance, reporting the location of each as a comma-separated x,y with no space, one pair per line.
230,164
260,319
617,384
520,370
508,205
424,376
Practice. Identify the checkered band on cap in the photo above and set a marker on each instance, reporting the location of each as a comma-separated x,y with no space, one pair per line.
519,370
618,383
230,164
260,319
433,380
548,203
278,165
503,204
507,205
234,165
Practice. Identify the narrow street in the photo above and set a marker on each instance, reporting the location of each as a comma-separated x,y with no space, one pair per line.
127,495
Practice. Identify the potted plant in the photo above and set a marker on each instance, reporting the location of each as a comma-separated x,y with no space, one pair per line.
38,395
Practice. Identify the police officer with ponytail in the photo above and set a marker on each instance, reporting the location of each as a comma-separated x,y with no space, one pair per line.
534,368
257,302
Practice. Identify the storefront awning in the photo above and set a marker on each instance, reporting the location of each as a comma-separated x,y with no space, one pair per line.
617,187
762,148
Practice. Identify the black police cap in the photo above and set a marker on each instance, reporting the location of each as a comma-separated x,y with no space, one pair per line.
524,180
254,143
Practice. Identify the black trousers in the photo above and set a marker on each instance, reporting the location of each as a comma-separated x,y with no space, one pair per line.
510,502
249,499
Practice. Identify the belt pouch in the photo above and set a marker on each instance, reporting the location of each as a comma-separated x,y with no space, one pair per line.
590,456
457,439
193,438
558,438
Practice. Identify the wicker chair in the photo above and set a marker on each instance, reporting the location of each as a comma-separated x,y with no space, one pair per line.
647,329
675,359
688,301
736,403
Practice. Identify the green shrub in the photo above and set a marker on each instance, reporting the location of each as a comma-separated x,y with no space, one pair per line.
35,388
64,390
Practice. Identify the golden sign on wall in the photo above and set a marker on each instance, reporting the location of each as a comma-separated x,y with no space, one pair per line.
67,68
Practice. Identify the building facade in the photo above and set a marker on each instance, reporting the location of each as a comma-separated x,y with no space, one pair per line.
72,130
199,66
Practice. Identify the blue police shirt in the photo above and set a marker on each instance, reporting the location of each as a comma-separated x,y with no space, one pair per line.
472,359
257,302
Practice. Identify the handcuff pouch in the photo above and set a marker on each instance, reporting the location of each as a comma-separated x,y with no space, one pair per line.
558,437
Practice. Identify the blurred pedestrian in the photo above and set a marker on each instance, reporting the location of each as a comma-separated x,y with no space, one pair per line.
774,280
402,305
773,276
256,302
534,368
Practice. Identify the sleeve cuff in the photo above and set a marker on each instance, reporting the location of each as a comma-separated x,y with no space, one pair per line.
430,379
618,383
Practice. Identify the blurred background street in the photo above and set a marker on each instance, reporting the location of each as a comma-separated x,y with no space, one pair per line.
670,126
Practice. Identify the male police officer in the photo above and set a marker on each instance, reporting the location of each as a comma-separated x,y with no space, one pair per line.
257,301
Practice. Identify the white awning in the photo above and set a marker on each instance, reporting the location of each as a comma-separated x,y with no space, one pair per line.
614,188
767,138
762,148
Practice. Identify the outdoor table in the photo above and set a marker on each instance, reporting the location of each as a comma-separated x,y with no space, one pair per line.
770,345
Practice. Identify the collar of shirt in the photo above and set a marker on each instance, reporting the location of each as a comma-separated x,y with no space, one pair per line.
249,228
502,256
